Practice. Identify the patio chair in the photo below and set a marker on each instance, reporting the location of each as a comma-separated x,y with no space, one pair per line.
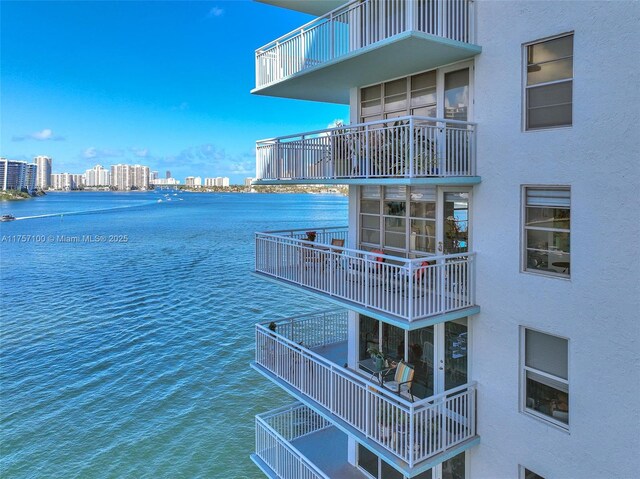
335,253
402,379
358,267
420,279
337,242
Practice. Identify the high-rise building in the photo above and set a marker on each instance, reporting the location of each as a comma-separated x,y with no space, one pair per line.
17,175
193,181
31,177
153,175
62,181
77,181
219,181
165,182
247,181
130,177
487,277
168,174
43,180
97,176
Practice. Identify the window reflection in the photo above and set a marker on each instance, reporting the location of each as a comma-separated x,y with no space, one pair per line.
456,95
455,361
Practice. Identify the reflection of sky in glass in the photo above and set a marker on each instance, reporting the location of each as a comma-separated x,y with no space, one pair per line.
456,96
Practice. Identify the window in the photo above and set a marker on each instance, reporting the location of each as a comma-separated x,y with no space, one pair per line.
414,95
549,83
384,218
545,376
377,468
546,230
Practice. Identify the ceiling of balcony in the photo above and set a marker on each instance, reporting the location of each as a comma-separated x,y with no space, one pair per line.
398,56
313,7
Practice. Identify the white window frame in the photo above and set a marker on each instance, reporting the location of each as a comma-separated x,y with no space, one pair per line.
523,381
523,232
406,251
440,75
526,88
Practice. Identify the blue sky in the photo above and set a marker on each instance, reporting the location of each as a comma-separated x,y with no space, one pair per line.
164,84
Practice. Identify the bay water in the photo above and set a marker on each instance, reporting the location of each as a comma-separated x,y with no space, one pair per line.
126,331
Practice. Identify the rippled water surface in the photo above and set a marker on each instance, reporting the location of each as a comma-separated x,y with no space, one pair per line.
131,358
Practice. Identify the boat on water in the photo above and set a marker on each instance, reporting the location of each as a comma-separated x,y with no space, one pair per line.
7,218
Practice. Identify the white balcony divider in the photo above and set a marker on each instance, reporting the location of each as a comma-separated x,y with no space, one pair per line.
410,289
412,431
274,432
357,25
407,147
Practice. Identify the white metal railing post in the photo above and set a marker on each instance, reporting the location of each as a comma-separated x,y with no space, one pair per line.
366,279
412,146
472,160
331,36
302,51
412,436
410,299
440,17
472,278
471,8
258,69
441,293
441,149
277,159
300,169
367,152
409,6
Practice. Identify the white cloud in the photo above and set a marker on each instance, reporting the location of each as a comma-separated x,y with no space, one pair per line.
215,12
181,107
42,135
336,123
140,152
45,134
95,153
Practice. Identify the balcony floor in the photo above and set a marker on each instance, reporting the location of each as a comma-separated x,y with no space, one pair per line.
335,352
328,449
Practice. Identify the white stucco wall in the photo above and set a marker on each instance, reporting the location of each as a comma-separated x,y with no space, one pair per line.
598,308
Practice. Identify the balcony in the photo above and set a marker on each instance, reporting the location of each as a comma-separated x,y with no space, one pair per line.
365,42
304,357
405,292
406,150
294,442
312,7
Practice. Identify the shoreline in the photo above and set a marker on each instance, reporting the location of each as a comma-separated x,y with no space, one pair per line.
342,191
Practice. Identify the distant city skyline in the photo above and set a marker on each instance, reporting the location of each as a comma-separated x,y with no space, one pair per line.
176,102
52,169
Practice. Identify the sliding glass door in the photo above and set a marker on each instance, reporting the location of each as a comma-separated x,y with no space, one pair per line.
437,353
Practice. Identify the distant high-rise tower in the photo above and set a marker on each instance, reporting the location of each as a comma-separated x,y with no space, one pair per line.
43,176
97,176
168,175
